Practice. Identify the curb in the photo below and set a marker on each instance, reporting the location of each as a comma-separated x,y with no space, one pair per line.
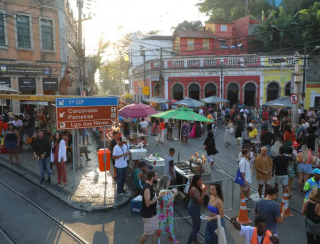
62,194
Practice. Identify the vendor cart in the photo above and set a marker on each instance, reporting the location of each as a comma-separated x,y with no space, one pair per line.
155,163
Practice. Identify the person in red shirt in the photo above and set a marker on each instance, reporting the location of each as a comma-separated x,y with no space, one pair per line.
265,115
163,125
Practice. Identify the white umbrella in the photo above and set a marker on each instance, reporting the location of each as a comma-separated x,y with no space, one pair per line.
7,90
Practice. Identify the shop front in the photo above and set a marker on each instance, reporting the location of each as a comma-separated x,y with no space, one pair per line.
50,86
5,103
27,86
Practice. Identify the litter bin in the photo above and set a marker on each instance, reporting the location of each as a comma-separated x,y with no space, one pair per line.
100,158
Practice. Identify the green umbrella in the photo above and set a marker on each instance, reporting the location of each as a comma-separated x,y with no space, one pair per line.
182,114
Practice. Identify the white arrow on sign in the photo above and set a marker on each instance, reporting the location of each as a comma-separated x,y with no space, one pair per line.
61,102
62,114
114,122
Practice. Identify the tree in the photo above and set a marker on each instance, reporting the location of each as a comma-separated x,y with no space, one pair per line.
229,10
113,73
275,32
186,25
311,20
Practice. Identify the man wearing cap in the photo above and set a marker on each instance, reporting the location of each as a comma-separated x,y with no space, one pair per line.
312,183
120,153
139,177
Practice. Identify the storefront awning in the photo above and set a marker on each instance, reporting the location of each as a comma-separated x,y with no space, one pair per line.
40,98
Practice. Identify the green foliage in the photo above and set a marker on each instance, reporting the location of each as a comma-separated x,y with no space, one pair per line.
311,18
229,10
113,73
186,25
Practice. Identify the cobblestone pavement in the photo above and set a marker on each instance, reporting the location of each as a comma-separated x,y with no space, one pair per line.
85,190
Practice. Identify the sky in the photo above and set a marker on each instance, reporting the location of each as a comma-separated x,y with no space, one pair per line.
133,15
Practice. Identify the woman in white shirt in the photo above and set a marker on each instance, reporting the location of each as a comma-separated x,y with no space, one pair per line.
59,158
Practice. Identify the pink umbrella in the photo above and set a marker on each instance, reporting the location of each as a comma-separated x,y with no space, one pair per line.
136,111
173,101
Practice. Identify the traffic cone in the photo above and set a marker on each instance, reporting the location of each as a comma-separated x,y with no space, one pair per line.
284,201
243,213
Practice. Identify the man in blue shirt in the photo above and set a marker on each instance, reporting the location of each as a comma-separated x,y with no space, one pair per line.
301,133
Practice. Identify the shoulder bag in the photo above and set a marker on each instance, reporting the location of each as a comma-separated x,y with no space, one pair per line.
220,232
239,179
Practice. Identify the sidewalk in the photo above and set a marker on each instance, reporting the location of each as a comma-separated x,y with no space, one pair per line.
87,194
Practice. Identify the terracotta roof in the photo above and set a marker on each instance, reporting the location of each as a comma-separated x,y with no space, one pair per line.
195,34
157,38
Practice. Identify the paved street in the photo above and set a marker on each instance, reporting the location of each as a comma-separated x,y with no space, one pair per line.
119,225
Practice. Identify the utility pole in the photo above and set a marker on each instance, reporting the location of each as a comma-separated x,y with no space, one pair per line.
296,88
160,76
247,6
304,71
143,54
221,80
80,51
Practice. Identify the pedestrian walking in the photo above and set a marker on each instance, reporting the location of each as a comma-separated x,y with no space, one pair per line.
209,124
156,128
263,165
239,127
42,151
30,124
210,146
144,128
215,207
259,234
169,169
120,153
162,126
269,209
310,139
229,131
304,160
289,136
11,141
280,169
186,129
149,209
196,193
165,209
169,129
59,158
18,125
267,139
291,169
244,167
311,209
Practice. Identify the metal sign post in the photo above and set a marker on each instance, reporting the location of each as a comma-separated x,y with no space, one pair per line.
105,163
73,162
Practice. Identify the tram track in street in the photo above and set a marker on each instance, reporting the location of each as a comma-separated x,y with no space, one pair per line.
10,236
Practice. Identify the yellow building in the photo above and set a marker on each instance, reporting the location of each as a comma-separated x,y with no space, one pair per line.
312,98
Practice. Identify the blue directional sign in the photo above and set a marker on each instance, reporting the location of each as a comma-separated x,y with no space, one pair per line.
86,101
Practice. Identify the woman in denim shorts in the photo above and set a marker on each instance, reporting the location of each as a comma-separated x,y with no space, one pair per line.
11,140
305,159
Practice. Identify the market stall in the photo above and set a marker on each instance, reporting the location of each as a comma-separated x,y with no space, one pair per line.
196,164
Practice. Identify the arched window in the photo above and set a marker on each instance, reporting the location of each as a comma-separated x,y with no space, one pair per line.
156,90
194,92
250,94
233,93
287,91
210,90
272,91
177,92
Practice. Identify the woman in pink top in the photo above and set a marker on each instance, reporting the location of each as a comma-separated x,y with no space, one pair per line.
304,159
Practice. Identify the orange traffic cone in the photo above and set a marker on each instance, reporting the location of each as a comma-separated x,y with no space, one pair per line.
243,213
284,201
